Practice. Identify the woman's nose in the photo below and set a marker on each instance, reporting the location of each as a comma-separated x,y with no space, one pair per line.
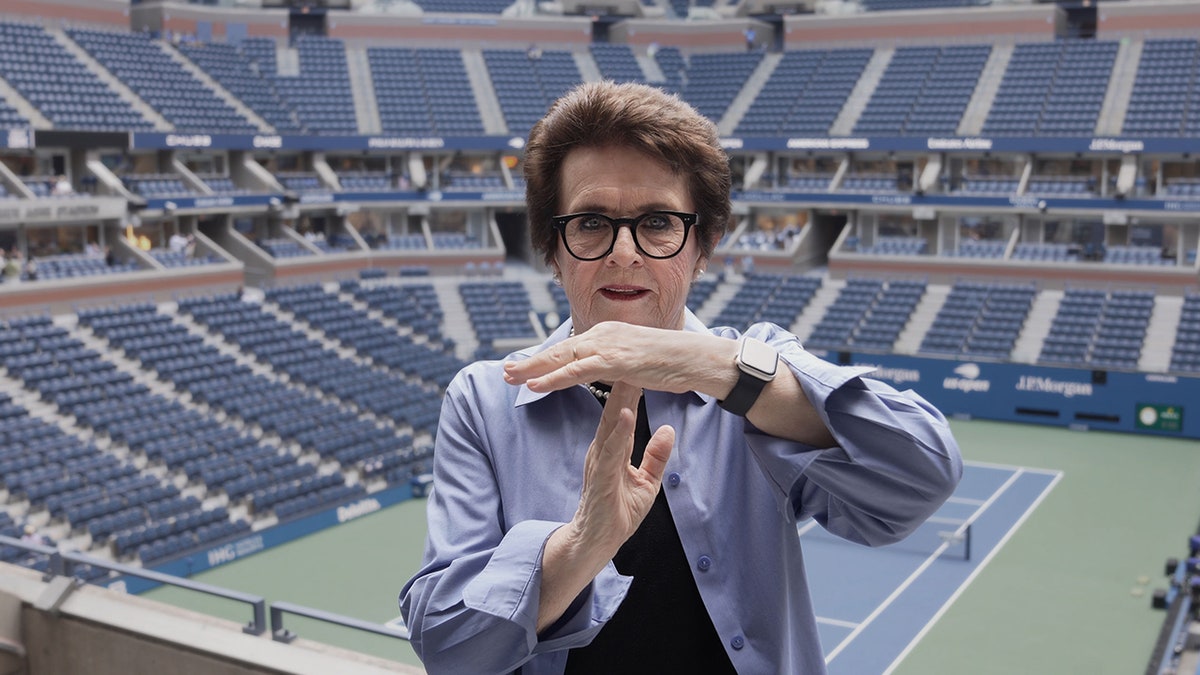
625,250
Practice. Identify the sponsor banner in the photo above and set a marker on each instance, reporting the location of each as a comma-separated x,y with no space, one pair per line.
208,202
967,144
317,198
834,144
932,201
1070,397
1159,417
165,141
225,552
37,211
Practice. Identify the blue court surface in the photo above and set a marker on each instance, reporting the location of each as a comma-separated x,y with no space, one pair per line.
874,604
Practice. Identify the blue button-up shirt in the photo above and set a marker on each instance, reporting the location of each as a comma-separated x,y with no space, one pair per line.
508,471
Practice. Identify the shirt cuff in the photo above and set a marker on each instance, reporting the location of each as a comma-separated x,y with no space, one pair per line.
509,587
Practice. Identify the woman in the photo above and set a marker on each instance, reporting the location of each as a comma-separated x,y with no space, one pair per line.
565,535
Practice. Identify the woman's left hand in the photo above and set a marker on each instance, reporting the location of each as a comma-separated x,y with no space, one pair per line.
649,358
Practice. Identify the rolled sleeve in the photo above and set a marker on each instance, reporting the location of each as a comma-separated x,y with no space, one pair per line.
894,463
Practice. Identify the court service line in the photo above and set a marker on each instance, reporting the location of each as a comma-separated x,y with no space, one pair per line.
1010,467
919,571
837,622
803,529
974,573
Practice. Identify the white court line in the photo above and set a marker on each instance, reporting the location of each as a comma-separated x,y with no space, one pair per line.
1009,467
964,500
803,529
837,622
919,571
974,573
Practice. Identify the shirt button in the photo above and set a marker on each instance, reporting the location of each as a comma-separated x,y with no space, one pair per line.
737,642
673,479
704,563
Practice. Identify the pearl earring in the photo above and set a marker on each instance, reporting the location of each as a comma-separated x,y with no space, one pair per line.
557,279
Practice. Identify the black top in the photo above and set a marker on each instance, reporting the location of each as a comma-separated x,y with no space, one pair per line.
661,625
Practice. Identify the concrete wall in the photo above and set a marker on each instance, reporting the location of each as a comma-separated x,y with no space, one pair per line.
101,632
111,14
944,26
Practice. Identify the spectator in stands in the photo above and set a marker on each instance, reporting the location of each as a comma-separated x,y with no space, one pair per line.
177,243
555,544
32,536
12,265
62,187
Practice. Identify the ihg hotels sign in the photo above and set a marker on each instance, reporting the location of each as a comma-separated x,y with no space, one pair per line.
1155,417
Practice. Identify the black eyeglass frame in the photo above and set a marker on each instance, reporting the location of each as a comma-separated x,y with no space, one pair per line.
689,220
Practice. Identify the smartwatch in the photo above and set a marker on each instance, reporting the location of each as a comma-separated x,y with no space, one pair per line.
757,362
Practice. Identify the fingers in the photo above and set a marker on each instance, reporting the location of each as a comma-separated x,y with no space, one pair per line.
614,434
624,399
658,451
555,368
611,431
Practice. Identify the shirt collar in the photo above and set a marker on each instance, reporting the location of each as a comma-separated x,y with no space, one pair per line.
691,324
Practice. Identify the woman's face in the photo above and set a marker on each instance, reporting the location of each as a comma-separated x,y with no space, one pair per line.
625,285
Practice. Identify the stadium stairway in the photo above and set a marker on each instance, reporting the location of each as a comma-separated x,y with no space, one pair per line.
23,106
857,101
1120,88
921,319
287,61
750,90
825,296
1160,334
651,68
985,92
719,298
457,325
220,91
1028,346
588,70
366,109
140,374
485,92
315,334
109,80
539,294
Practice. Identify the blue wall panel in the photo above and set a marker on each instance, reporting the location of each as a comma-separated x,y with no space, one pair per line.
220,553
1087,399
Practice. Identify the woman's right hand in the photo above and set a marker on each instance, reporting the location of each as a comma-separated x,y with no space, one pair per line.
615,499
616,495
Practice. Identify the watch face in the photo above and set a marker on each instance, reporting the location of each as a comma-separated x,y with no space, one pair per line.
759,356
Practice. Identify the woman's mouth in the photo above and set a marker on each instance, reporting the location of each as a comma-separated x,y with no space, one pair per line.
622,292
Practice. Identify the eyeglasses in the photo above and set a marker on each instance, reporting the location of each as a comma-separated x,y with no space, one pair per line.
657,234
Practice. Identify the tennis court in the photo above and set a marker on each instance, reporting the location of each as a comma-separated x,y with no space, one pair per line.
1065,525
871,605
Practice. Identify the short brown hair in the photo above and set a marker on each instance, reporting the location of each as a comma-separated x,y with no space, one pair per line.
637,116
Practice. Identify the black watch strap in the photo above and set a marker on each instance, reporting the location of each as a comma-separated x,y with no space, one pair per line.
744,394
